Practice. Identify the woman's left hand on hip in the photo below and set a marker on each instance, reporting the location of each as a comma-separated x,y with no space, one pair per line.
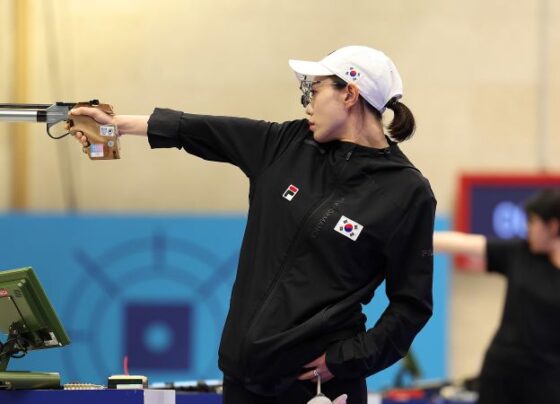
318,366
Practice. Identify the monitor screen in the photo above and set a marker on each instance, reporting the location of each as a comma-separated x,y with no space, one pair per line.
27,318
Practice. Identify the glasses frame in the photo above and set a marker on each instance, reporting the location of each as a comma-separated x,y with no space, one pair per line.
306,87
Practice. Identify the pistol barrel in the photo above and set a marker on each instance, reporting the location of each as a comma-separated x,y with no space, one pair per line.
14,115
33,113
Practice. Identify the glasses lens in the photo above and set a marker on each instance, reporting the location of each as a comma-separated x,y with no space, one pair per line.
306,88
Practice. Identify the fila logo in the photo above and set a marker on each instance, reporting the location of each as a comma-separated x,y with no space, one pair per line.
290,192
348,228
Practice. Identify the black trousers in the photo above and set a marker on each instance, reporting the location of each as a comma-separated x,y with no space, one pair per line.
299,393
543,389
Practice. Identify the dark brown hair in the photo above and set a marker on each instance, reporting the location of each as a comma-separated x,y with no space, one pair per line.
545,204
402,126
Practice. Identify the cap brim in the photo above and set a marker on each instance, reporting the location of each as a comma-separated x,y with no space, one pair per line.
304,68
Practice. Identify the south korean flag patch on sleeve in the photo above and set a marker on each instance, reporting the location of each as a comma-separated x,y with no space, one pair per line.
348,228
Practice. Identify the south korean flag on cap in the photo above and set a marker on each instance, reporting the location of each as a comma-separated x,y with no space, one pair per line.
348,228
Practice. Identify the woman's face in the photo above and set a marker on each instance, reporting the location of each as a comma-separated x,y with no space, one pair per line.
327,112
540,234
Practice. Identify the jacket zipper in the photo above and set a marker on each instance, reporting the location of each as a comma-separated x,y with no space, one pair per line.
289,255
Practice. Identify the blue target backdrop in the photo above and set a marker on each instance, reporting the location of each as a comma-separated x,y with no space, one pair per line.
155,289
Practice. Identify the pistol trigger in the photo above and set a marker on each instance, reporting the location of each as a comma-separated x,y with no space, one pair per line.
52,136
49,126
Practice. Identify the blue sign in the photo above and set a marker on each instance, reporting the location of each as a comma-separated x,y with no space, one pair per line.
498,211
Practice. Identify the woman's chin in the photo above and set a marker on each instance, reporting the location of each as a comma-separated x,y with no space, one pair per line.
318,138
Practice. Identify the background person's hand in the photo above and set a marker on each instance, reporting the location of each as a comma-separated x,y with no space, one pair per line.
320,366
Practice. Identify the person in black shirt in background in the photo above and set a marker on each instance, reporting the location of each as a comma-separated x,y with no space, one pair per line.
335,209
522,363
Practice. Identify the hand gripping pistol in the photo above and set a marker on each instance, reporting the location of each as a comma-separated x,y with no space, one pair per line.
103,139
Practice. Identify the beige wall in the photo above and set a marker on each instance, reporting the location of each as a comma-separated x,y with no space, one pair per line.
478,75
5,73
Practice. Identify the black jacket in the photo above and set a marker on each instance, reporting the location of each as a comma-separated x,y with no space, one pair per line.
302,275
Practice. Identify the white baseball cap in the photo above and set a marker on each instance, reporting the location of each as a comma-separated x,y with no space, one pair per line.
372,71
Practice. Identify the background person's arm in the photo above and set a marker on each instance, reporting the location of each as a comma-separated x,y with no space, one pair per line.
454,242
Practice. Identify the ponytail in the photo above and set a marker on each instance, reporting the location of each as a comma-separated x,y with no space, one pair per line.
403,125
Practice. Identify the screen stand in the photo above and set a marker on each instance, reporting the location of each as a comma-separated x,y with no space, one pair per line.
18,380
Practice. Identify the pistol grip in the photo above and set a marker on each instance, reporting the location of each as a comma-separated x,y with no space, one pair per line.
103,139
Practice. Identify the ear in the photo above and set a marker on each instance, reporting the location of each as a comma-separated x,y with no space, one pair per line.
352,95
554,227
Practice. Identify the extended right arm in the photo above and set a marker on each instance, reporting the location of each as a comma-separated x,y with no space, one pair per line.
249,144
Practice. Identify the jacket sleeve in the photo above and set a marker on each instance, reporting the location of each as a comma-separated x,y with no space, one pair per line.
249,144
500,254
409,289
